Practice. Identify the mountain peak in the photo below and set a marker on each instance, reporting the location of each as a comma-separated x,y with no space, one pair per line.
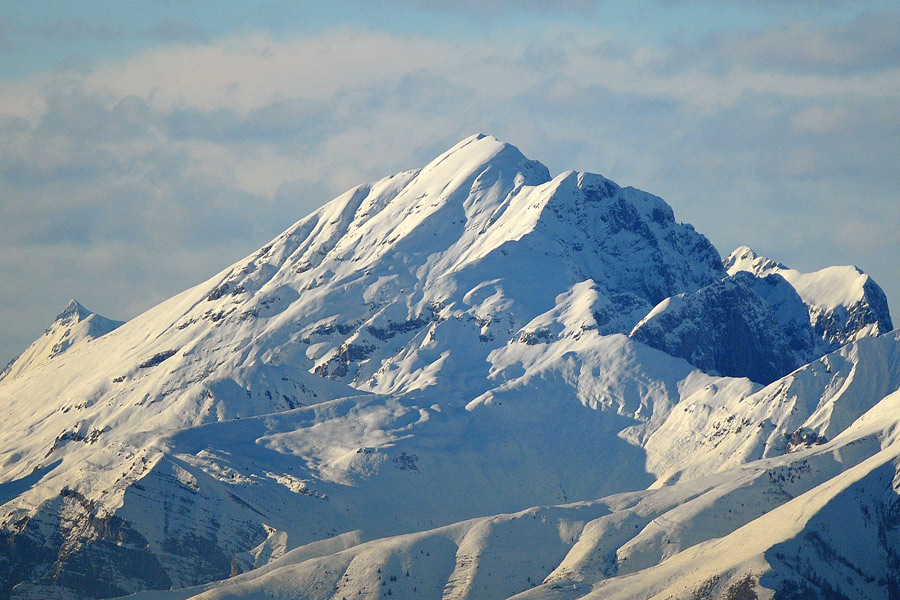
73,312
744,258
481,213
74,325
477,153
844,302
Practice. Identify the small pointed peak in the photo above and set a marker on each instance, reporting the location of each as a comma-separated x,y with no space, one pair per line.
744,258
74,311
742,253
478,142
74,305
476,137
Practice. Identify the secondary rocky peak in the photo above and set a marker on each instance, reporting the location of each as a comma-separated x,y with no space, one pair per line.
741,326
73,313
844,303
74,325
764,319
744,258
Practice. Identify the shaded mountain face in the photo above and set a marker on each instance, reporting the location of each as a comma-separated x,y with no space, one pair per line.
377,399
729,328
764,320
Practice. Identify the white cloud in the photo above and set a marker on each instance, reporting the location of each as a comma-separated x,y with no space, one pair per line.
818,119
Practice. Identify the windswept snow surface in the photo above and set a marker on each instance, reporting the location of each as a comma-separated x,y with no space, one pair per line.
439,385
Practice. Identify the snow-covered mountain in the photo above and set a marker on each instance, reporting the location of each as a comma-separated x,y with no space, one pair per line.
765,320
844,303
471,380
73,326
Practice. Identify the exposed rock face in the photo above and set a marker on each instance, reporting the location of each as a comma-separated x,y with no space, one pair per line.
69,537
730,329
765,320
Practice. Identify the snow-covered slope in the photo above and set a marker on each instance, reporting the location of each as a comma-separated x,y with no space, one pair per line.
427,387
815,521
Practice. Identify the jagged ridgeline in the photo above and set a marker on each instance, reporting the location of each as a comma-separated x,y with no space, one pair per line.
470,380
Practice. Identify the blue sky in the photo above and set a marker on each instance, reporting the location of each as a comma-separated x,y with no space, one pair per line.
146,145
